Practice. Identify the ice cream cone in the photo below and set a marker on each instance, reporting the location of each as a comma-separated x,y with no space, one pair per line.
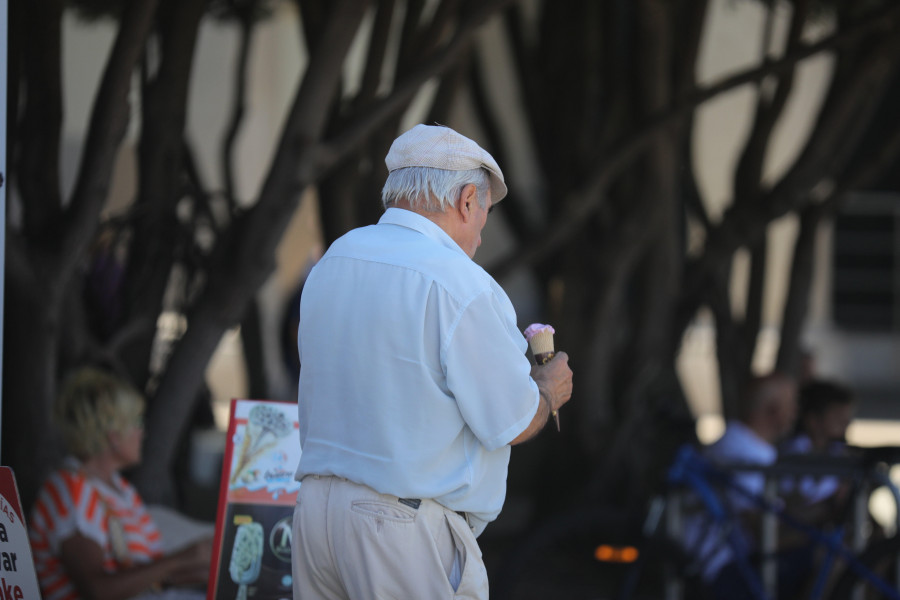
542,346
540,340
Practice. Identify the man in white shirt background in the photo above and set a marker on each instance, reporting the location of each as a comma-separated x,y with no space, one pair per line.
414,384
768,413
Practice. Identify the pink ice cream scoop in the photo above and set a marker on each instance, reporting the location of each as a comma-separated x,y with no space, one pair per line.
540,339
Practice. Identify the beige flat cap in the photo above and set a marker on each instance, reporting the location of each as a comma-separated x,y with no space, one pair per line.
440,147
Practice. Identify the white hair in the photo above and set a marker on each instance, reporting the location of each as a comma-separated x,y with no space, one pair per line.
433,190
92,404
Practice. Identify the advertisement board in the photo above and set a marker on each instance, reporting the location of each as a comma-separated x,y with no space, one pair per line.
17,577
252,546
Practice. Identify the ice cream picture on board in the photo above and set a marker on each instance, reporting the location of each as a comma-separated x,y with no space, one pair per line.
246,556
265,428
540,340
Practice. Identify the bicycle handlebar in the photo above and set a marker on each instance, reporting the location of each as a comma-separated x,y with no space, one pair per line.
698,473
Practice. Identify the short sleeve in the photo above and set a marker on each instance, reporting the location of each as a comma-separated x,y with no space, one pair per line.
488,372
68,504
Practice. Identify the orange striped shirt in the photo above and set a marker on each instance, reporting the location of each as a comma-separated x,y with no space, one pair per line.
69,502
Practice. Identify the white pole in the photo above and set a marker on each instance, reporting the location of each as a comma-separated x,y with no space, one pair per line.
4,37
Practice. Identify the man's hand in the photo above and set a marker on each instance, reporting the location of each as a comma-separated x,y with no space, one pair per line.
554,381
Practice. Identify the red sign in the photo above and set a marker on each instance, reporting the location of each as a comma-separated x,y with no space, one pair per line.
17,577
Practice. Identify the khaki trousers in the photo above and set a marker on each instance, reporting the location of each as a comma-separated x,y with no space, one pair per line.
351,543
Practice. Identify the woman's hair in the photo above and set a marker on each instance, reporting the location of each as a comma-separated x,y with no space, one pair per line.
433,190
92,404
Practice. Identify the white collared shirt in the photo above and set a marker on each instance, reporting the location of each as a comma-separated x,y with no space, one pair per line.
741,445
738,445
413,377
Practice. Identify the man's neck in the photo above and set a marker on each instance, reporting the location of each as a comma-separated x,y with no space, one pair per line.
445,220
761,431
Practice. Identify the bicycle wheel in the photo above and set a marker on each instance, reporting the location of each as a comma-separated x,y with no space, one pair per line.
883,559
592,554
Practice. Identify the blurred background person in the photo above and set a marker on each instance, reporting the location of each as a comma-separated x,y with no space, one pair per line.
767,414
90,532
826,410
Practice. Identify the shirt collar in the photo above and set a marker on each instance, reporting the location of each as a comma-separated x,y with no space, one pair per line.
750,436
72,463
415,221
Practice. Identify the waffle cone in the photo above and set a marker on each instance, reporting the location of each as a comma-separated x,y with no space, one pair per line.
541,342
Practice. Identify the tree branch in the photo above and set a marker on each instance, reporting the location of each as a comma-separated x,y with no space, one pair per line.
161,164
247,27
38,160
797,303
588,196
361,127
826,153
109,118
748,175
381,30
246,257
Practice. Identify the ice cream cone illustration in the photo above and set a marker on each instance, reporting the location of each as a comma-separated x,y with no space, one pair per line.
265,426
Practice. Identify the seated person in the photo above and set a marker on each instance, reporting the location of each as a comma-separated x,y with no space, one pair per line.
90,532
826,409
768,410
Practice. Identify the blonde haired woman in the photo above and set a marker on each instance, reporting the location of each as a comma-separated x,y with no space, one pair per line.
90,532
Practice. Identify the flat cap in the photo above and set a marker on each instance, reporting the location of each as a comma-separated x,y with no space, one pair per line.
440,147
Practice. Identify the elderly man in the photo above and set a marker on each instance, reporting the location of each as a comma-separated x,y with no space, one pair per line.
767,414
414,384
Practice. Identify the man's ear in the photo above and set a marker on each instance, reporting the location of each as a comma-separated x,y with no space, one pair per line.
468,198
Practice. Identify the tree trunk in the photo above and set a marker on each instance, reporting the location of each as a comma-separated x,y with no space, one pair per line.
29,380
254,353
151,257
797,303
246,258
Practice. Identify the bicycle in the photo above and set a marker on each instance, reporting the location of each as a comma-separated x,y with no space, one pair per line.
601,553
